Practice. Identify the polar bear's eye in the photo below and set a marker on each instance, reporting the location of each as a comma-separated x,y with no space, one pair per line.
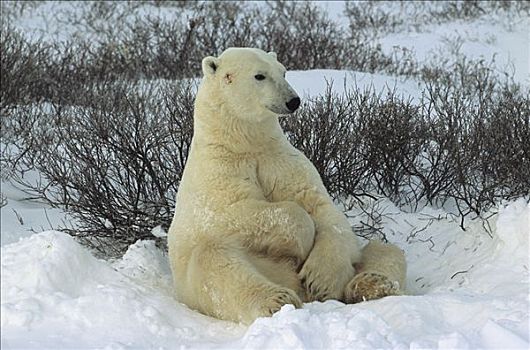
259,76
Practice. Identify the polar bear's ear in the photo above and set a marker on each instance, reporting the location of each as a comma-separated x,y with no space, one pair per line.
209,65
273,54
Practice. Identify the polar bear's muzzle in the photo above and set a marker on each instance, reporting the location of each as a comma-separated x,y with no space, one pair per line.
285,108
282,99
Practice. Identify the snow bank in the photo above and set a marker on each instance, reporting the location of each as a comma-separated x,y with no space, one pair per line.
468,290
55,294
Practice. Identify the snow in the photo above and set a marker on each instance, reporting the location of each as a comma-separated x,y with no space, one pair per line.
21,218
55,294
314,82
465,289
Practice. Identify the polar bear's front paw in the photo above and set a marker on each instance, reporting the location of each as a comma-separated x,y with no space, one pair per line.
368,286
278,298
323,279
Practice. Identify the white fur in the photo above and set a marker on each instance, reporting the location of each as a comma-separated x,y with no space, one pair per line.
252,218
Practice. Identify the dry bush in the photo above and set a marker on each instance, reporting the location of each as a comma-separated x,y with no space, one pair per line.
110,140
113,163
326,129
114,41
303,36
484,123
20,69
463,144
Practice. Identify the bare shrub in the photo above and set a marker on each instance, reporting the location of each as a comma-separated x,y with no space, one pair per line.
20,69
113,163
115,41
463,143
111,141
326,130
303,36
482,119
508,126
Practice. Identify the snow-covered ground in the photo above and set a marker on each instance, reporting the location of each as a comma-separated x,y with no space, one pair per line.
466,289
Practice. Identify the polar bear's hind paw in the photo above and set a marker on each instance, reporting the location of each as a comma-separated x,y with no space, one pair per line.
369,286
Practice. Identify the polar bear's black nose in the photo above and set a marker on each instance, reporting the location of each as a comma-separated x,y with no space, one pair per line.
293,104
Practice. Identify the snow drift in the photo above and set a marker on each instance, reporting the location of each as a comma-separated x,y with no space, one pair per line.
467,290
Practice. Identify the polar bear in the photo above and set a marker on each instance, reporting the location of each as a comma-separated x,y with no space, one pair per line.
254,228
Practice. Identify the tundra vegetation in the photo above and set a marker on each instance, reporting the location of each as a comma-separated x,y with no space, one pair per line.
99,123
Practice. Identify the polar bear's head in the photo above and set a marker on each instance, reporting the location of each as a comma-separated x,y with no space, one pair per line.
250,82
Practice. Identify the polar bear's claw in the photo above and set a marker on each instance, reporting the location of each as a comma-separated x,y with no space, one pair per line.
279,298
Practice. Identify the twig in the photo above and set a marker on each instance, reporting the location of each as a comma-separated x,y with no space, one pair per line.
459,272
